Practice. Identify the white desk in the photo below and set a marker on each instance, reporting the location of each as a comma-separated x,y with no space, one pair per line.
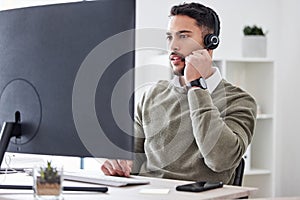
129,192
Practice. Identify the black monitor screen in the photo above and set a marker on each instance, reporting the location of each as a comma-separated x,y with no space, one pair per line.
66,75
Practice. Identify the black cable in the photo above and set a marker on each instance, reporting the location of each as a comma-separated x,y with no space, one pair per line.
65,188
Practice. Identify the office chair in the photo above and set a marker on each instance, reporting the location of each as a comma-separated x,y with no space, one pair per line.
239,173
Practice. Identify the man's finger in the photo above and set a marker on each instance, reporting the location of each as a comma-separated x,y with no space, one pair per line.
117,168
107,168
126,168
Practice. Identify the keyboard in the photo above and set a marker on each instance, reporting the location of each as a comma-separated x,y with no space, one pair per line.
98,178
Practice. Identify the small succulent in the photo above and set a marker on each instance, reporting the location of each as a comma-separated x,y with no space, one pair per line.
49,174
254,30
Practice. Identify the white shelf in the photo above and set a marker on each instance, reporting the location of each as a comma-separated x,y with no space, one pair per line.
244,59
264,116
253,172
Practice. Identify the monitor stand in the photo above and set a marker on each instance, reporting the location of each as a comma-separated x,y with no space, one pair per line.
9,130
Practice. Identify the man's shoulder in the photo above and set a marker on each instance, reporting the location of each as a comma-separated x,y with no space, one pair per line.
156,90
227,86
229,90
159,86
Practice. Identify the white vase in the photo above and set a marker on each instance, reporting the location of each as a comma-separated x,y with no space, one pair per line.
254,46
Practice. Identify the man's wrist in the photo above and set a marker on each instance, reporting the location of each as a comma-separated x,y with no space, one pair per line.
200,83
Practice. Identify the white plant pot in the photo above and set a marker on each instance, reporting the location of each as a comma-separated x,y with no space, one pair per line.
254,46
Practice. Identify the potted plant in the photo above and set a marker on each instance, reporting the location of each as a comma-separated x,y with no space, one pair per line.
47,182
254,42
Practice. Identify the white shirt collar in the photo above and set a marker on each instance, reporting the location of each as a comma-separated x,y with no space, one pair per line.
212,81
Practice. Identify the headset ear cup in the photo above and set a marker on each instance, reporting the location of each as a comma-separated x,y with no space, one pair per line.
211,41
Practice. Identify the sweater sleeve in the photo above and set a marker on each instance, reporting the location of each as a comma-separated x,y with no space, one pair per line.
139,139
222,132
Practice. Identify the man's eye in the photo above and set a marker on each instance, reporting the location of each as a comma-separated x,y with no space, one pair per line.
182,36
169,37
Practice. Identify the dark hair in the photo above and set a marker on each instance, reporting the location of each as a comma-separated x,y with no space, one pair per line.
206,17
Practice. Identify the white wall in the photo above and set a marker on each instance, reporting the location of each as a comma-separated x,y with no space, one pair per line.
234,16
288,107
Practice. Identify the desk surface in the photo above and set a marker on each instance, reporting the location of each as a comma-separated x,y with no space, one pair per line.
128,192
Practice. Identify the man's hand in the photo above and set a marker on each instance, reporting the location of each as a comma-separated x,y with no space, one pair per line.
198,64
117,167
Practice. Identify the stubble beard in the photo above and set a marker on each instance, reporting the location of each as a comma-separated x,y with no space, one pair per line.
178,72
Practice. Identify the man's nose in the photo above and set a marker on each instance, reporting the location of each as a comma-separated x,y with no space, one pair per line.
174,45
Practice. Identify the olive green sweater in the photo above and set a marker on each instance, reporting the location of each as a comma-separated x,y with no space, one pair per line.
190,134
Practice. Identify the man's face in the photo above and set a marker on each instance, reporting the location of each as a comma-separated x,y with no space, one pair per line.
184,36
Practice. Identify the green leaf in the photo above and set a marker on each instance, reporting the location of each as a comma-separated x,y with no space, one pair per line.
254,30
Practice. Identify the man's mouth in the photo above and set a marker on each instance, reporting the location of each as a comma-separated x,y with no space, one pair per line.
176,58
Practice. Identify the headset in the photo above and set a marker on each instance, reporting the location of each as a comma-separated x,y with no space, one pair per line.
211,41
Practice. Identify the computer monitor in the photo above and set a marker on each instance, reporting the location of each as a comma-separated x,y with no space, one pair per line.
67,79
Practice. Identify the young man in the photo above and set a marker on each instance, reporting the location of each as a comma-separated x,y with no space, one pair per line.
196,126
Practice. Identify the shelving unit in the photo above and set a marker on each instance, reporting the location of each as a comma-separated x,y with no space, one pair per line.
256,75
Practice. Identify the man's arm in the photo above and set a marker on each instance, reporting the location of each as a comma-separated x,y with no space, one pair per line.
139,138
126,167
224,128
